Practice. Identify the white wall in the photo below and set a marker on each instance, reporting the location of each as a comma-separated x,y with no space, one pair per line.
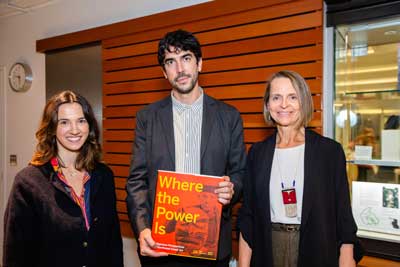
18,35
2,145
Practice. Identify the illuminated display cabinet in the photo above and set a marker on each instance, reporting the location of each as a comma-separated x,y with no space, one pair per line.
366,122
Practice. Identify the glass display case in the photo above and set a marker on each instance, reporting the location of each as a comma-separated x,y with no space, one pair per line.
366,123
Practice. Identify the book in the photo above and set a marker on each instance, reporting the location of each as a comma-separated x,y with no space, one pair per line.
187,215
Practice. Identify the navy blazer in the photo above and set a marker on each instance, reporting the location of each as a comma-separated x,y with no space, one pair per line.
326,221
222,153
44,227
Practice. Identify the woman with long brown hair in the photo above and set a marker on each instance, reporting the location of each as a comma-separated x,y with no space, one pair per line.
62,207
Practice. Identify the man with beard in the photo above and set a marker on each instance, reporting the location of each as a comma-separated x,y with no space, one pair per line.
189,132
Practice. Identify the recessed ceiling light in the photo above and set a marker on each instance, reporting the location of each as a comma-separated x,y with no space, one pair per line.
392,32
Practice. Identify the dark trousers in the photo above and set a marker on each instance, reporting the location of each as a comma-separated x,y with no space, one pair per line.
174,261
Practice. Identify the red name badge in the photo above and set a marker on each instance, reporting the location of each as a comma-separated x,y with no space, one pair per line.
289,196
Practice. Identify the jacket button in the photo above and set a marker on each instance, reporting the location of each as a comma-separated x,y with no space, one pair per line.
95,219
85,244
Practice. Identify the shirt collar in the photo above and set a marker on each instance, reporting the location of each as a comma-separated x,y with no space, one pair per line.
180,107
56,167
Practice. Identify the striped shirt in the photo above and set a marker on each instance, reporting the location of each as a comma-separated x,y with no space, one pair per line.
187,134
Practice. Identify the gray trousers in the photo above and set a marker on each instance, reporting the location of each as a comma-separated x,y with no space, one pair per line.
285,244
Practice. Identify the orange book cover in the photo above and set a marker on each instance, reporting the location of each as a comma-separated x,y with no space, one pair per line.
187,215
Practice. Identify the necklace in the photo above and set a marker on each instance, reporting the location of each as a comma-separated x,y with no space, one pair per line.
295,169
289,193
71,171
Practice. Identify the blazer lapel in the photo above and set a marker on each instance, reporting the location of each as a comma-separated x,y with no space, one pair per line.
209,115
167,121
265,170
48,171
309,178
96,179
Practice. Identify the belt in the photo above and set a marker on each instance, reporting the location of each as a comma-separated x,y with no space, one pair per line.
285,227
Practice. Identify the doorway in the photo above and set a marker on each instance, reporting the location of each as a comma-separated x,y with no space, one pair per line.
3,185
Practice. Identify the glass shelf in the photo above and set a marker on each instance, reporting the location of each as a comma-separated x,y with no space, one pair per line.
376,162
378,236
373,92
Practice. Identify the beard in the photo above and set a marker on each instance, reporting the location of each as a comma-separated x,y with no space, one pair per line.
186,88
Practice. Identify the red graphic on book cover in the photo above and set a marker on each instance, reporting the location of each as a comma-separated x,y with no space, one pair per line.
187,215
289,196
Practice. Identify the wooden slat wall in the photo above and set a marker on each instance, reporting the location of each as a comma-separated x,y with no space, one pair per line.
240,50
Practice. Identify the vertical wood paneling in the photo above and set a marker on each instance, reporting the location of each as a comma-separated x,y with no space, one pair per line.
240,50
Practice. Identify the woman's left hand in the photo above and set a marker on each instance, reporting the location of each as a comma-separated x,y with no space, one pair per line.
346,258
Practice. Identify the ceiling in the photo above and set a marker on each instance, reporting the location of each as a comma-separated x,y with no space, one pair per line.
18,7
367,68
372,33
368,56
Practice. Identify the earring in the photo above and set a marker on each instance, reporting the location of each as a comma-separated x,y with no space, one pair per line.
269,117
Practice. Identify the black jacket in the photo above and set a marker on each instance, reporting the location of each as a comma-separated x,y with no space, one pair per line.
44,227
327,220
222,153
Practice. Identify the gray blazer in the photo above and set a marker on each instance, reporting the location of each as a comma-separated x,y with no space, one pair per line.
222,153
